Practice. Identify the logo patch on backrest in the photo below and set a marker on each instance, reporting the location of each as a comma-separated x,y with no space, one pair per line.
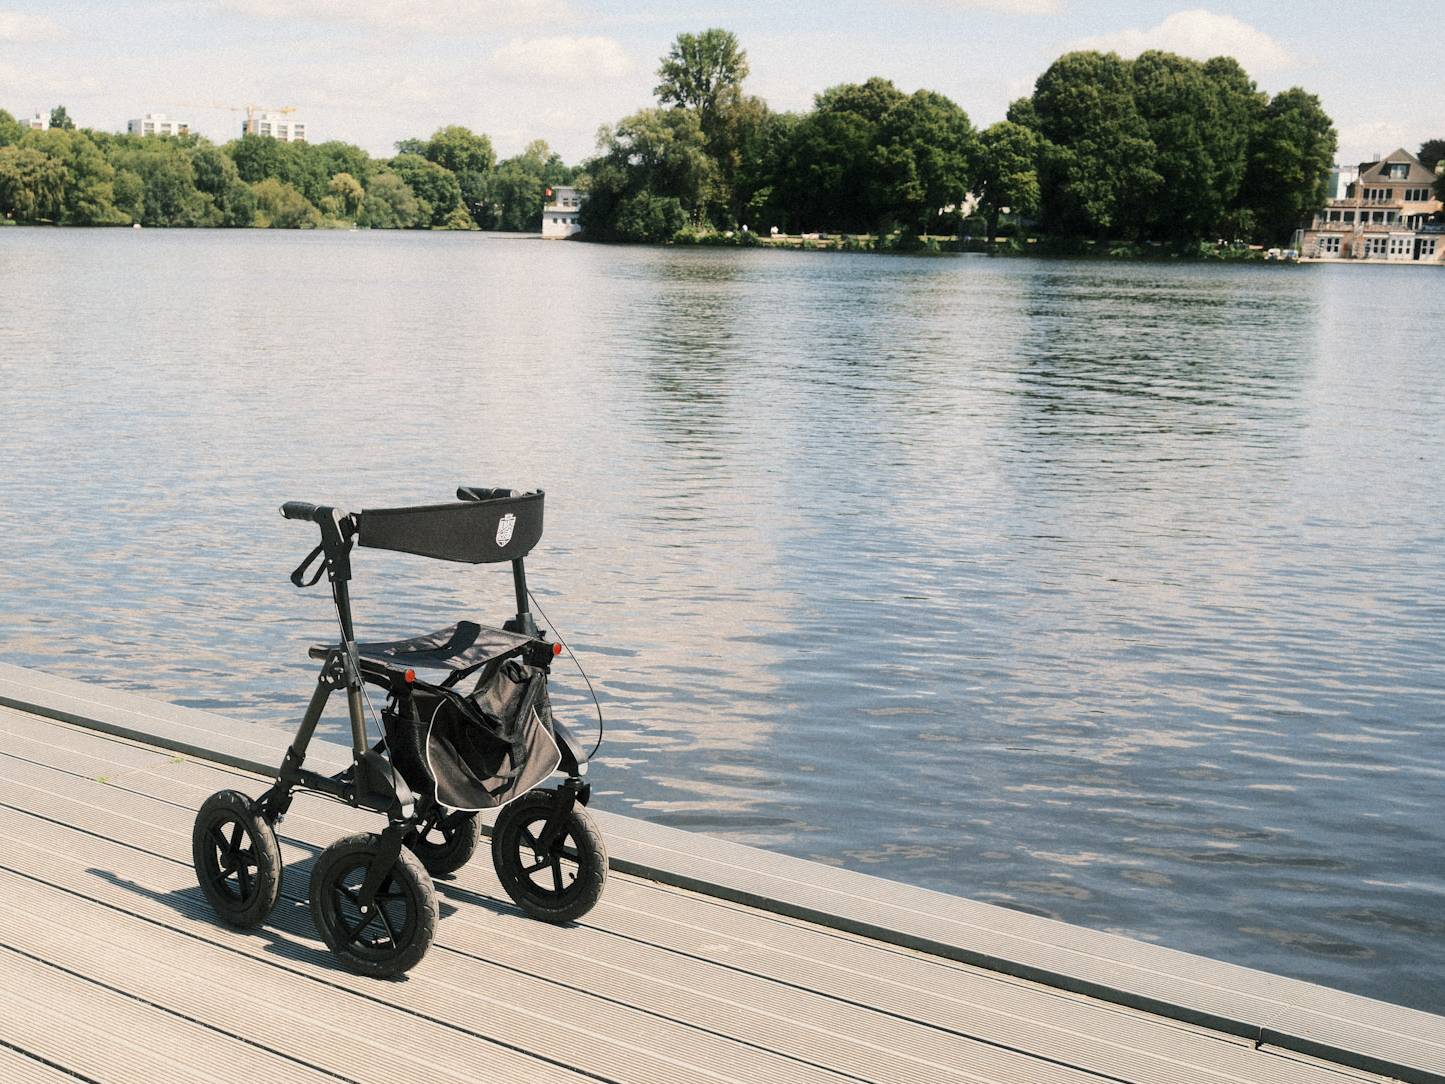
504,528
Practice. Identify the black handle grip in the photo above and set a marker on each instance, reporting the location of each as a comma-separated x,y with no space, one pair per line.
298,510
478,493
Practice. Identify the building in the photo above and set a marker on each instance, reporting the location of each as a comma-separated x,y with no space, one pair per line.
1388,212
156,124
40,122
559,213
274,125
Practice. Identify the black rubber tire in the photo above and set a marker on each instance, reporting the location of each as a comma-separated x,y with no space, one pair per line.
445,844
558,887
238,863
406,905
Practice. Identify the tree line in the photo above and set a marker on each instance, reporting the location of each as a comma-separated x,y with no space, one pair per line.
72,176
1160,148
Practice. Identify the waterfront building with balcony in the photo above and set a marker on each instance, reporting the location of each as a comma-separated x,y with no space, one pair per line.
1388,212
156,124
560,212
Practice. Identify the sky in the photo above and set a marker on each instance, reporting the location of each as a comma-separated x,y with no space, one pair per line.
372,72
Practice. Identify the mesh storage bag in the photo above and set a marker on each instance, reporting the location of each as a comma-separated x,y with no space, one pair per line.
479,751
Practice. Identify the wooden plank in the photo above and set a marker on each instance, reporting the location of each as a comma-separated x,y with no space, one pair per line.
97,1033
1351,1030
609,1042
18,1068
652,978
310,1022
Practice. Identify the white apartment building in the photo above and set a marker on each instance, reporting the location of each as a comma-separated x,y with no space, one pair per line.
274,126
40,122
156,124
559,213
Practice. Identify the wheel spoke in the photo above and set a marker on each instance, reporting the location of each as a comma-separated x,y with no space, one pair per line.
557,875
386,923
218,840
529,870
236,837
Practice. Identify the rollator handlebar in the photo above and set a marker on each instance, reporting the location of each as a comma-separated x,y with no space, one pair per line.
299,510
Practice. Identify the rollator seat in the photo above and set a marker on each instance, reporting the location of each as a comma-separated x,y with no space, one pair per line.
459,648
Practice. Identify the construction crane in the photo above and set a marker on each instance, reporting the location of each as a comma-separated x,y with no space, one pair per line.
249,110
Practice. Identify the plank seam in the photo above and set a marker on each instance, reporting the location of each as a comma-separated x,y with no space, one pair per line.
281,965
177,1014
32,1056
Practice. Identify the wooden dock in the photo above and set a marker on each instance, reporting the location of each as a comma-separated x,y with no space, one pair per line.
705,960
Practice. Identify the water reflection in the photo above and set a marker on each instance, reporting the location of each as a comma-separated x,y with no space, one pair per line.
1104,592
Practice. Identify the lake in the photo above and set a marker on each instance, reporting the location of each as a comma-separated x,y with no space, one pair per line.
1109,592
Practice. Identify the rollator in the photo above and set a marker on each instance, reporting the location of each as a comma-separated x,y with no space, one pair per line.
467,726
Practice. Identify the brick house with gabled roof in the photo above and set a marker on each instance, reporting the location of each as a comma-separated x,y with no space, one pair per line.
1390,212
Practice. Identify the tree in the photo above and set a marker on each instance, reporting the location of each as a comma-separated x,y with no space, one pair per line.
659,154
88,198
60,119
825,181
435,186
130,194
1240,107
519,183
1021,111
872,100
1184,116
469,157
926,149
348,193
1097,174
703,72
390,204
10,130
32,185
282,206
1432,152
833,172
1007,172
1289,164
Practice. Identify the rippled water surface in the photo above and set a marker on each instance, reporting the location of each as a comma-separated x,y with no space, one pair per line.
1106,592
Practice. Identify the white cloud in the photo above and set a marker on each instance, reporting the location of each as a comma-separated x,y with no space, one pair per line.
563,59
16,26
1200,34
460,17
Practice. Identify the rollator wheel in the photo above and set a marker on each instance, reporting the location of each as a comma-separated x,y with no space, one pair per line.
238,863
445,843
559,885
397,931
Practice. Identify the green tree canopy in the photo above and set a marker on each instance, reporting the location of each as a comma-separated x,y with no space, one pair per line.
10,129
1432,152
390,204
651,157
703,72
1289,163
60,119
519,183
282,206
32,184
925,155
1098,162
435,187
1007,172
470,158
88,199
